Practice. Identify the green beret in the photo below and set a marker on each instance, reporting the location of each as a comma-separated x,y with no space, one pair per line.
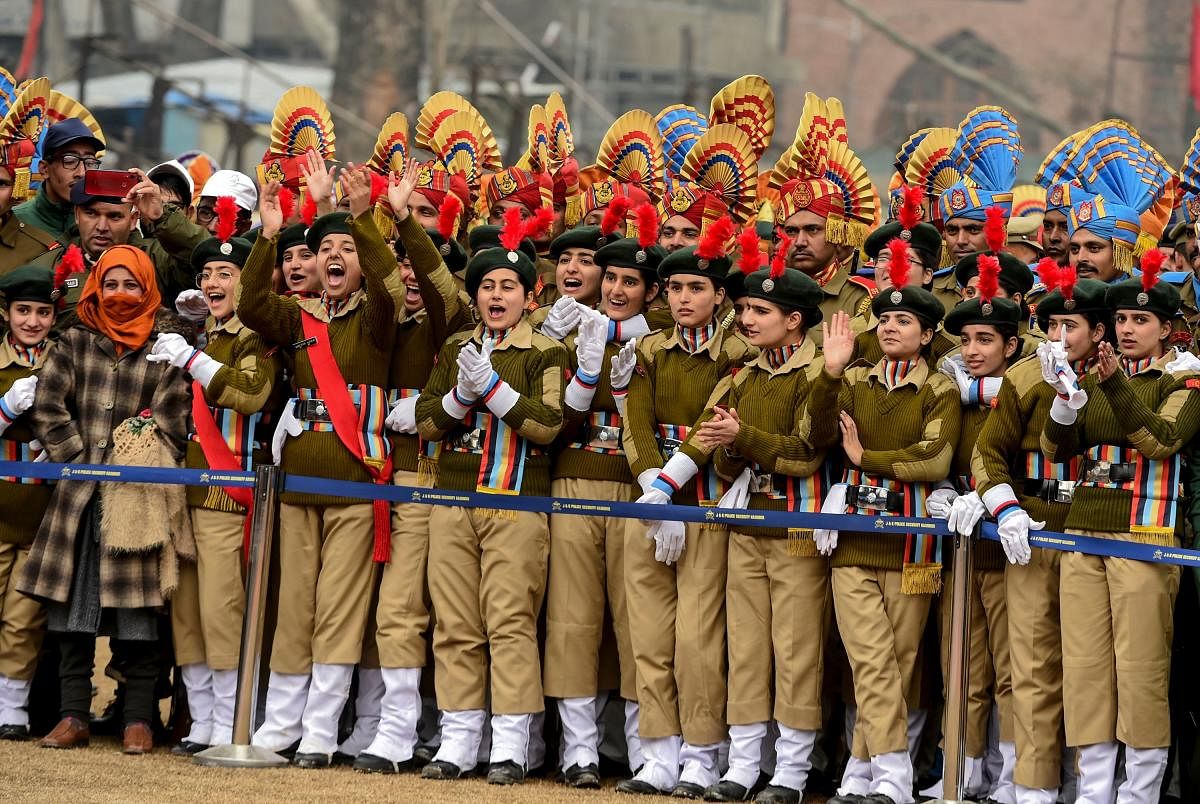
924,237
328,224
735,284
488,236
1162,299
998,312
492,259
685,261
236,251
793,290
586,237
1087,297
28,283
918,301
452,253
1015,276
290,237
624,253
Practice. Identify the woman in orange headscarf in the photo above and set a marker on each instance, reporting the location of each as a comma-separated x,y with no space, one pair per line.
98,577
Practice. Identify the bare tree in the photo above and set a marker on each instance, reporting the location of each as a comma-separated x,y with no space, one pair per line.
378,65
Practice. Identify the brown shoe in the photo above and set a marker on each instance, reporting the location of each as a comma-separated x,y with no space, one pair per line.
71,732
138,738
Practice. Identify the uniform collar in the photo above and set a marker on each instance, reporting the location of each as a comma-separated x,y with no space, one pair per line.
712,345
519,337
316,306
805,352
232,325
916,375
10,356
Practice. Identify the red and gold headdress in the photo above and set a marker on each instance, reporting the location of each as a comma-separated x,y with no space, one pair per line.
629,162
301,123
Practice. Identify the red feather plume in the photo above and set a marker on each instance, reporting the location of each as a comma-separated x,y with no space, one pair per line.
1049,272
1066,281
448,216
898,266
513,230
379,186
287,204
993,229
909,213
646,217
227,211
539,225
750,259
308,209
71,263
615,214
779,261
989,276
1152,263
713,243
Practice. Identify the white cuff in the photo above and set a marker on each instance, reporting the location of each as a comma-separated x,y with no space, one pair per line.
646,477
620,401
1062,412
997,496
680,469
578,396
454,407
990,388
204,368
634,327
502,399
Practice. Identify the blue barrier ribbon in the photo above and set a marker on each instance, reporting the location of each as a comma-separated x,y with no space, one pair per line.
124,474
1112,548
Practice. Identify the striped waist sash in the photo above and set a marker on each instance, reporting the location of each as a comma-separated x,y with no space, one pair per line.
709,485
601,434
1154,484
20,451
370,402
503,451
238,431
922,552
429,449
803,494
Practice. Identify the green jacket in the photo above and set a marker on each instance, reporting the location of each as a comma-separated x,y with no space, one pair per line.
40,211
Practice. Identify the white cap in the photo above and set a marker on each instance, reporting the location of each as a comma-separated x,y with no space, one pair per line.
230,182
172,166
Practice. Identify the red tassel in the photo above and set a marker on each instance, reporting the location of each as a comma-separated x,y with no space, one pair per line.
615,215
1152,263
448,216
647,225
779,261
750,259
989,276
287,204
714,242
382,511
993,230
308,209
513,230
898,267
1049,272
909,213
227,211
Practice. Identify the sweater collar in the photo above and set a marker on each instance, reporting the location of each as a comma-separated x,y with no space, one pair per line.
893,374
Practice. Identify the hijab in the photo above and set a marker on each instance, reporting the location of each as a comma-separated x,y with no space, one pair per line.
126,320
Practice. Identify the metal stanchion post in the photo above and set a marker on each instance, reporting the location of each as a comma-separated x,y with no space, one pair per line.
262,528
954,748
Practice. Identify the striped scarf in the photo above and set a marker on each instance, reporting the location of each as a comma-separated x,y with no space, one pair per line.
894,371
498,335
693,339
1134,367
1081,367
823,278
29,354
333,306
778,356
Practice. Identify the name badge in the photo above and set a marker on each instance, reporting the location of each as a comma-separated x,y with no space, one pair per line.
304,344
73,282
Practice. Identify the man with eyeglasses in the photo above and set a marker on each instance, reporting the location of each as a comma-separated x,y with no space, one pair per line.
231,183
68,151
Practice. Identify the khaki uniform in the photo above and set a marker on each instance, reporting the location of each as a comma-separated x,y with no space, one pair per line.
945,288
21,243
846,293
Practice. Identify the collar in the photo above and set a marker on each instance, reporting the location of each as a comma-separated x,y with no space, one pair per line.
11,354
519,337
1081,367
832,278
693,339
712,345
232,325
802,354
1132,368
915,375
316,306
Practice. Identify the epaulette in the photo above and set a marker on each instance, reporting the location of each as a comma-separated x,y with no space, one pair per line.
866,284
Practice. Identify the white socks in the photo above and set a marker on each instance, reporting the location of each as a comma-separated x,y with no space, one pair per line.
197,680
367,705
399,713
286,696
327,696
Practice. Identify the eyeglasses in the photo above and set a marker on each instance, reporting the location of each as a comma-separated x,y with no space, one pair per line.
884,258
72,161
205,215
221,276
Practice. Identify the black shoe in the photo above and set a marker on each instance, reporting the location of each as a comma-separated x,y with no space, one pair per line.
11,731
726,790
342,759
423,754
369,763
775,794
584,776
507,772
638,788
289,753
687,790
849,798
877,798
441,769
187,748
312,761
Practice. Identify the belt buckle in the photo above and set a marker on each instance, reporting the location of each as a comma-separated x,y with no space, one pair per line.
471,440
1098,471
606,434
670,446
313,409
874,497
761,483
1063,491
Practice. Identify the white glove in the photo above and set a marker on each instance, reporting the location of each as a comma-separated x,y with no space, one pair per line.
288,425
623,364
1183,362
739,493
954,368
1014,535
170,347
965,514
1059,375
589,348
562,319
192,305
939,501
669,540
402,418
835,503
19,396
475,368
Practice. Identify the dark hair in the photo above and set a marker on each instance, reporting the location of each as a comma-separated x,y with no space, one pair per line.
175,185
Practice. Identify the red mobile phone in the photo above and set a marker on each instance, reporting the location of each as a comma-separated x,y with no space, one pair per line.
109,183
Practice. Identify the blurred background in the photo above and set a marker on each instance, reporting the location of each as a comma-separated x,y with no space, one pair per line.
168,76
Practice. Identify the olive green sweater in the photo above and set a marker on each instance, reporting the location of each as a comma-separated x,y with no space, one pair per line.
988,555
789,419
908,434
247,383
575,462
361,335
1153,412
22,505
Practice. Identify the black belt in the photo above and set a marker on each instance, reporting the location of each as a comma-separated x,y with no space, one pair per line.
311,410
1106,472
875,498
1056,491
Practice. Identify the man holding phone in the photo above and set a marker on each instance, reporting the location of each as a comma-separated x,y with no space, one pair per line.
68,151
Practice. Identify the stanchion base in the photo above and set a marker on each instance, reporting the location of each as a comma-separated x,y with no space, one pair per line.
239,756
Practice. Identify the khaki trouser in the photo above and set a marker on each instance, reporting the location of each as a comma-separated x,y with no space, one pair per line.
777,610
402,615
881,628
326,577
487,578
677,628
587,557
1116,630
990,674
1035,654
207,608
22,619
